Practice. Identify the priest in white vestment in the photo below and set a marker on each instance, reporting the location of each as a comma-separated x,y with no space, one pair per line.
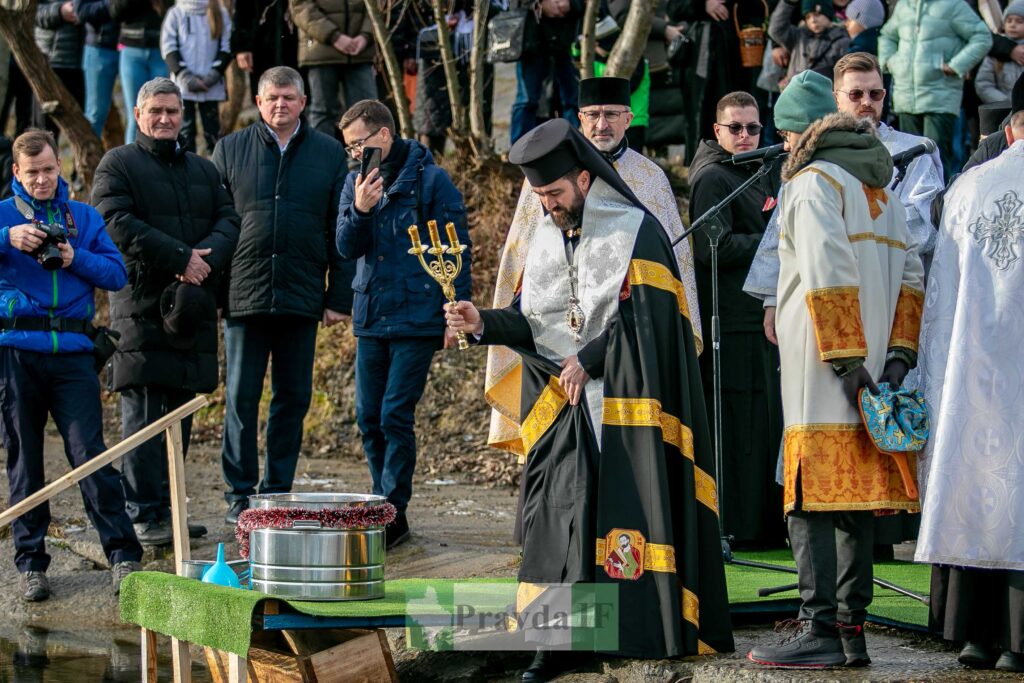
972,526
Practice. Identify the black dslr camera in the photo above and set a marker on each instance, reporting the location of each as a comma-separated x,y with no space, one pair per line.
48,254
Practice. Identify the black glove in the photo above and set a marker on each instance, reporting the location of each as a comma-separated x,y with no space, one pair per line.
213,78
854,381
894,373
193,83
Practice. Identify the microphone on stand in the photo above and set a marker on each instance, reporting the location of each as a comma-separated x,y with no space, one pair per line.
906,156
763,154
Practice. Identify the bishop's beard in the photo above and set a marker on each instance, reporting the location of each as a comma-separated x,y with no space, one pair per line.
572,217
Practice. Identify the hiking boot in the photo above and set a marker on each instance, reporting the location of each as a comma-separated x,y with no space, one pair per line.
855,647
397,532
154,532
1010,661
549,664
236,508
196,530
803,646
35,587
121,570
977,656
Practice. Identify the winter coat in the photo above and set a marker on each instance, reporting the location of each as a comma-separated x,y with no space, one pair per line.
100,29
320,22
140,22
995,80
29,291
161,202
656,51
266,27
60,41
866,41
818,52
394,297
286,262
745,219
187,46
921,36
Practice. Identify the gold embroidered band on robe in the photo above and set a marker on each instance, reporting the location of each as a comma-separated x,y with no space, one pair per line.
543,414
872,237
835,314
840,468
658,557
906,324
653,274
647,412
691,607
836,185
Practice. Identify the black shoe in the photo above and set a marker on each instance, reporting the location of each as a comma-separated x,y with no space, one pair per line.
855,647
1010,661
121,570
196,530
154,532
977,656
237,507
397,532
35,587
805,646
549,664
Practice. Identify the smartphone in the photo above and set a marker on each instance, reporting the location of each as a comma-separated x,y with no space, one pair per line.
370,161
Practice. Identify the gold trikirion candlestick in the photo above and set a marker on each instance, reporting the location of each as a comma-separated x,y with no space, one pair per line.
443,271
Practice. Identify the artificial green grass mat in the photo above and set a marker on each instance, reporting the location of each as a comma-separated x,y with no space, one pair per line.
221,618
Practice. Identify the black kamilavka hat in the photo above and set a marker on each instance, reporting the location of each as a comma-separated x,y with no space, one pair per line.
595,92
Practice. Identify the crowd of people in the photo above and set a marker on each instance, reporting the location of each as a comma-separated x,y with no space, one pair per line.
878,244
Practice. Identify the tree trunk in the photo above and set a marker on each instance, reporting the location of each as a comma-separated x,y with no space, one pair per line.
477,69
589,41
113,129
16,22
237,82
629,48
451,75
391,66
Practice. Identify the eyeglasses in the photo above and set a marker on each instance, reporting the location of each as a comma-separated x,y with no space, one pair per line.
610,115
855,95
752,129
357,146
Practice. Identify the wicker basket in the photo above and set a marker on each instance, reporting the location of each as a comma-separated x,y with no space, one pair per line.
752,39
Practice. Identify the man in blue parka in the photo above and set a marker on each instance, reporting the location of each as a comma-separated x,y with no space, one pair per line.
47,359
397,311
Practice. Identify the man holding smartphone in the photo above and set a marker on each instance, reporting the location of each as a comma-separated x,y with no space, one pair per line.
397,312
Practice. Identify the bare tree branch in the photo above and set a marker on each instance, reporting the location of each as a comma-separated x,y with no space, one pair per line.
629,48
477,74
589,42
451,75
391,66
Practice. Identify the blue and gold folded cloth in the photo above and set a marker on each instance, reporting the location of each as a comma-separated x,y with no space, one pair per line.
896,420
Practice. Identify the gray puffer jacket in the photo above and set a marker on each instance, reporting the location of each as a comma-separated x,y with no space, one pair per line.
60,41
818,52
995,80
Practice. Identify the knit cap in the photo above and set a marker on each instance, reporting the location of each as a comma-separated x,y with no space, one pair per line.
823,6
1015,7
807,98
869,13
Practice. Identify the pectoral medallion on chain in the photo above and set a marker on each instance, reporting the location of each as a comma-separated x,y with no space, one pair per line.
574,317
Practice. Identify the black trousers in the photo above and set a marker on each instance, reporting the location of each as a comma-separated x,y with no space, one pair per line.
209,114
984,606
34,386
146,489
833,553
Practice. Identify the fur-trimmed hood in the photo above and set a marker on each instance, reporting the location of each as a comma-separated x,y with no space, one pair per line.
847,141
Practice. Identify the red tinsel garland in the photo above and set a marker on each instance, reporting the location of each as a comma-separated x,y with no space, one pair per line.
334,518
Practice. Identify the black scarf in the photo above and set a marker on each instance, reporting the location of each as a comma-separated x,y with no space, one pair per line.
617,153
392,166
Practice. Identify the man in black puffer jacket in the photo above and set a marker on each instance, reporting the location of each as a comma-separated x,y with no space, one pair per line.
59,36
286,277
174,223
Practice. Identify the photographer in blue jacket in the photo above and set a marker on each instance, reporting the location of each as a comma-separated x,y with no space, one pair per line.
54,253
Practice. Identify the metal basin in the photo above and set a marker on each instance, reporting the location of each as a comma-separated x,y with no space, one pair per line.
194,569
308,562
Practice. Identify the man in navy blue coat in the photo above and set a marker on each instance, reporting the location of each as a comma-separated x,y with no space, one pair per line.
397,312
47,363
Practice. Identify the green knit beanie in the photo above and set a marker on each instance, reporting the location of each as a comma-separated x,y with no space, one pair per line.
823,6
807,98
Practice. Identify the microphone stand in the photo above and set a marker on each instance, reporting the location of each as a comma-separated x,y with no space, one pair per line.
711,223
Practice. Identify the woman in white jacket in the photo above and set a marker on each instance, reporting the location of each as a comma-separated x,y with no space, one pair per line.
195,42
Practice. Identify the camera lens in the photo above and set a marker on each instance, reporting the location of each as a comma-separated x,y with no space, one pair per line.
50,256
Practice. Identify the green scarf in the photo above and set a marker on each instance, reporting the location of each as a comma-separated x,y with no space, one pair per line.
860,154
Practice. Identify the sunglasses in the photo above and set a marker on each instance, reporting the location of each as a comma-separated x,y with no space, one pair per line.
876,94
735,128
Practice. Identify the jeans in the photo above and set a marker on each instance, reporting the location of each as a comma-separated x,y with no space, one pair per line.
100,66
146,491
531,72
249,343
390,377
210,116
329,83
65,386
939,127
138,65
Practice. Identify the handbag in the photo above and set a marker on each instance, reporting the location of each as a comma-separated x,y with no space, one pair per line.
512,34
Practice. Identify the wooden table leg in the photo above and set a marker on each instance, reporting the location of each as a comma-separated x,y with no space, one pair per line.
148,656
238,668
181,659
